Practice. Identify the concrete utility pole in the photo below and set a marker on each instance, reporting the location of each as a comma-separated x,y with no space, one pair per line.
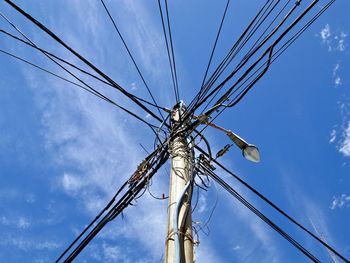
179,242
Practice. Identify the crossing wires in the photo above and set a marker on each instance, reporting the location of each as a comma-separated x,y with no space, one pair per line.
169,47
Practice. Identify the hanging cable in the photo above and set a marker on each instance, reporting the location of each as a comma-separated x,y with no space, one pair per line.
172,51
83,59
241,199
224,62
273,205
45,52
168,52
121,204
131,56
92,222
47,71
215,43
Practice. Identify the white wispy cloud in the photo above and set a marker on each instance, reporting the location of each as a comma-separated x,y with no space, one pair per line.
248,247
340,201
334,40
325,32
99,142
19,222
309,213
333,136
345,144
102,146
71,183
337,81
23,223
202,204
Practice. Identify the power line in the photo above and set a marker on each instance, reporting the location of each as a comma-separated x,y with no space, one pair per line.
131,56
47,71
87,87
241,199
168,52
172,51
239,88
273,205
49,54
268,52
83,59
215,43
155,160
275,56
106,208
227,59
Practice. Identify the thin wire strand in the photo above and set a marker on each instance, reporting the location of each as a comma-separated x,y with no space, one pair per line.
215,43
81,58
273,205
172,51
168,52
131,56
241,199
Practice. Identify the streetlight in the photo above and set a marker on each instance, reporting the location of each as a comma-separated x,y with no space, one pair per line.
249,151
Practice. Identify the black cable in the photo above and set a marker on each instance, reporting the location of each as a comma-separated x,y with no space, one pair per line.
93,221
268,27
168,50
47,53
87,88
253,46
83,59
47,71
131,56
241,199
220,67
223,64
242,63
215,43
172,51
273,205
278,53
268,52
123,202
246,58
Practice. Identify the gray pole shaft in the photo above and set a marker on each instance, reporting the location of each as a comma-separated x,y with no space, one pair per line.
181,172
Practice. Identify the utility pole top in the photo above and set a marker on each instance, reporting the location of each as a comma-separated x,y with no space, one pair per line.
179,242
178,112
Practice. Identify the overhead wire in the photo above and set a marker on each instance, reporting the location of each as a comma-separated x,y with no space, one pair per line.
120,205
168,52
271,58
280,51
268,52
245,60
67,62
215,43
254,26
81,58
130,55
253,46
47,71
247,204
88,89
172,51
92,222
226,60
272,204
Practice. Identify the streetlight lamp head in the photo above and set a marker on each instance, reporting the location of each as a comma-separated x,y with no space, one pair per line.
251,153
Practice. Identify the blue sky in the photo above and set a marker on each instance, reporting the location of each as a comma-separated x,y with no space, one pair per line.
63,152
